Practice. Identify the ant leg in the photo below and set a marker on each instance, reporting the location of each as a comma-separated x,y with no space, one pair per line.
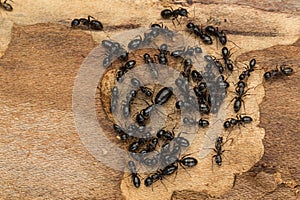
243,102
173,22
90,17
212,162
184,169
231,102
234,43
164,184
230,139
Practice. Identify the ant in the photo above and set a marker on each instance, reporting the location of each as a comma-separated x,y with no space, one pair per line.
135,179
183,162
196,76
114,99
136,83
206,39
126,104
168,13
163,95
152,145
248,70
157,29
184,105
136,43
168,135
213,62
92,24
182,81
201,122
219,151
161,98
240,120
226,57
222,83
121,134
240,92
123,69
190,51
181,141
218,34
134,146
159,175
281,72
114,49
151,65
187,66
6,6
163,50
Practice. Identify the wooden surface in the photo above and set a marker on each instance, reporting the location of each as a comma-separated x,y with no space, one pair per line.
41,155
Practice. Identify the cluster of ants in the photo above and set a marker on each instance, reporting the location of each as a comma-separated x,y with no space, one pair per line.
200,91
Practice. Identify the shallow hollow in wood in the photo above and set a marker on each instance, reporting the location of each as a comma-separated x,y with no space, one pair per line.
241,153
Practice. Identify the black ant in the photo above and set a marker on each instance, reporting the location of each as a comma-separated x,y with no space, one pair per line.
187,67
240,92
137,84
222,83
151,65
170,13
91,24
126,104
163,95
163,50
196,76
159,175
189,51
152,145
135,179
218,34
213,62
168,135
183,162
240,120
134,146
181,141
161,98
219,151
201,122
123,69
6,6
114,99
206,39
226,57
114,49
121,134
281,72
184,105
135,43
157,29
245,74
182,82
138,42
